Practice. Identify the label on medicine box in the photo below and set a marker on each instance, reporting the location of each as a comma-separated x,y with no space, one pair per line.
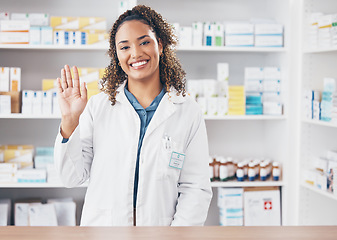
268,28
14,37
239,40
33,175
8,167
4,79
15,79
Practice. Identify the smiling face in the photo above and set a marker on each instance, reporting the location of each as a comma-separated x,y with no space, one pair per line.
138,51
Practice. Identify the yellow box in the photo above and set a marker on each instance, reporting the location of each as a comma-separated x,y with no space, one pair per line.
78,23
20,154
243,112
97,38
92,92
236,88
101,73
49,84
90,76
93,23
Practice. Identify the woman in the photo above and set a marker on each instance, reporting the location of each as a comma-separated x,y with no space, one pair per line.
142,142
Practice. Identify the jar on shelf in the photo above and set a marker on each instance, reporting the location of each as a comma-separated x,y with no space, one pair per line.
251,171
263,171
216,167
276,171
240,174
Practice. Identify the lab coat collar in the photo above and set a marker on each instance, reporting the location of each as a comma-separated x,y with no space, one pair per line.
172,95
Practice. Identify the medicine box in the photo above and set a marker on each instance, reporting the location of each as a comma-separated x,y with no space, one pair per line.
35,19
14,37
27,101
197,33
46,35
5,104
230,202
262,206
31,175
20,154
222,71
15,98
185,39
8,167
4,16
268,41
35,35
14,26
4,79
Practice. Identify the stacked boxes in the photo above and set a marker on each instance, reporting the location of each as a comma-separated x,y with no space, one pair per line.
79,30
239,35
22,155
236,101
40,32
14,31
7,170
254,87
312,104
272,102
322,30
269,35
230,203
328,99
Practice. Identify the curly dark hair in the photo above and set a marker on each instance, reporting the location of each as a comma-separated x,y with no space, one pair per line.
170,70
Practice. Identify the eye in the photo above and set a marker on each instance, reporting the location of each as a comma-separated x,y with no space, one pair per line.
125,48
145,43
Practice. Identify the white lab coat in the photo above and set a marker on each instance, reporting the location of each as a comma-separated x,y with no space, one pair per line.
104,148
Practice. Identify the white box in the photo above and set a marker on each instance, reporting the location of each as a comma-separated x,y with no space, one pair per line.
37,102
212,106
14,37
5,211
271,85
268,41
239,28
5,104
47,102
203,104
262,207
268,28
272,73
230,202
272,97
4,16
222,71
35,35
222,88
254,73
197,32
272,108
35,19
253,85
194,88
15,79
46,35
14,25
27,101
210,88
31,175
185,39
4,79
222,106
59,37
56,108
8,167
7,178
239,40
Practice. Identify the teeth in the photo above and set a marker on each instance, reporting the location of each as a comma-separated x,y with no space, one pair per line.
137,64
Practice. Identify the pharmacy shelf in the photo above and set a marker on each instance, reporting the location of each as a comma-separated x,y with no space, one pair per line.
320,50
35,185
235,183
246,117
53,47
320,123
28,116
185,49
319,191
232,117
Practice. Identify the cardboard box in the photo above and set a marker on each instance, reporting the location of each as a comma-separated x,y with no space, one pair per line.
262,206
15,101
15,79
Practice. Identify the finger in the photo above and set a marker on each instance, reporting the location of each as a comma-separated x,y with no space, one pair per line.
84,91
76,77
59,86
68,75
64,81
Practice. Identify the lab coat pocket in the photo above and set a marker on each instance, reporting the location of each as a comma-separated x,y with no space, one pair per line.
167,170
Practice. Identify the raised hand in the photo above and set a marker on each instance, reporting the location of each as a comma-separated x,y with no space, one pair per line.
72,100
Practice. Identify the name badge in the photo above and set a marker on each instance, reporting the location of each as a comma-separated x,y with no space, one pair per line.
177,160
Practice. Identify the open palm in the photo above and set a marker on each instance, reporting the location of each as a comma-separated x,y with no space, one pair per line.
71,96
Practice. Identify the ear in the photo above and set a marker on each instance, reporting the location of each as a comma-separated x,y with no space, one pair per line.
160,46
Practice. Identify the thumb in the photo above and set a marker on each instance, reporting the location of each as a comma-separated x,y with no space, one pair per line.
83,91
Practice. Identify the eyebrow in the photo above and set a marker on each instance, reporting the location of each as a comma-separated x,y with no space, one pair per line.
140,38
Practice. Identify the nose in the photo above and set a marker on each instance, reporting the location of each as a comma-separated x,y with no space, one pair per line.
136,52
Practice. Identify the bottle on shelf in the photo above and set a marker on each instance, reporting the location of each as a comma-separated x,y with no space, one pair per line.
263,171
245,169
276,171
223,169
231,171
251,171
216,169
257,168
240,174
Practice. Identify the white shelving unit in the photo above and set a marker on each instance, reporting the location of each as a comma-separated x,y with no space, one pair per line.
236,136
316,207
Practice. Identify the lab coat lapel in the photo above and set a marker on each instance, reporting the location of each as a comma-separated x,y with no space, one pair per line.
165,109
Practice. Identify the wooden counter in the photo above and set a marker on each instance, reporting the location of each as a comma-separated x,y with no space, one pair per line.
167,233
